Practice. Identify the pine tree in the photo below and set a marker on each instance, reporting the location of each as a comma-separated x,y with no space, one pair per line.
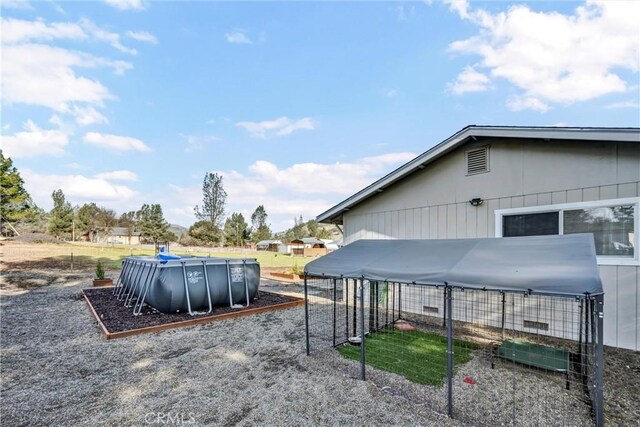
15,202
235,229
61,216
152,223
86,219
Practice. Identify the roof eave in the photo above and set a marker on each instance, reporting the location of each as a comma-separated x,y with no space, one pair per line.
334,214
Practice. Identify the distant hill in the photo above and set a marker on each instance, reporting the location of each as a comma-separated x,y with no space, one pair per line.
178,230
310,228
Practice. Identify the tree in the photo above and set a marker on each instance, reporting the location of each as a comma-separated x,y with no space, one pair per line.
205,233
128,221
15,202
86,220
106,219
259,228
152,223
213,200
299,230
235,229
323,233
312,227
61,216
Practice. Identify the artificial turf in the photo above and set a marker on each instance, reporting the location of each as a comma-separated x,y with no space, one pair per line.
418,356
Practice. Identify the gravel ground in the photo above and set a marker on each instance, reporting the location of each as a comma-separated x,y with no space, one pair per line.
58,370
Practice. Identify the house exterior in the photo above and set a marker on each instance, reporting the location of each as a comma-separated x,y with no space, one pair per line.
268,245
494,181
308,247
122,236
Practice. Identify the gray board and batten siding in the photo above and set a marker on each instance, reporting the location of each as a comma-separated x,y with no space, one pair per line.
527,170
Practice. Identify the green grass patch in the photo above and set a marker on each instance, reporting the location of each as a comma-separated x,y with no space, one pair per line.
418,356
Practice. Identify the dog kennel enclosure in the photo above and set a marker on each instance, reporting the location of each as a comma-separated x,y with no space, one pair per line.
490,331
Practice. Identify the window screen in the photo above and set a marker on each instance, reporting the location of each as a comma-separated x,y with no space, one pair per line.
612,228
533,224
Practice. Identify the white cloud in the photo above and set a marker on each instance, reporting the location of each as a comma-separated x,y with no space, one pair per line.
103,35
238,37
34,141
518,103
120,175
623,104
390,93
115,142
86,116
16,4
142,36
19,31
555,58
42,75
290,191
469,80
127,4
196,143
278,127
77,188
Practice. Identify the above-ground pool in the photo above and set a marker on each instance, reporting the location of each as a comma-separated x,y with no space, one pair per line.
187,284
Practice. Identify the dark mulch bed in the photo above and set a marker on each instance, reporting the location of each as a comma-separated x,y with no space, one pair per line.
118,318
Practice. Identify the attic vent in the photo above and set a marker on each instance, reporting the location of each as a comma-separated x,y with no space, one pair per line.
478,160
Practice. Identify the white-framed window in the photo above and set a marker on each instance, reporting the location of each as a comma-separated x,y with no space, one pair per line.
614,224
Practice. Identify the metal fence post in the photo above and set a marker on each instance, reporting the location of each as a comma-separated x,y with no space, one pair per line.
306,314
600,363
362,349
449,351
334,310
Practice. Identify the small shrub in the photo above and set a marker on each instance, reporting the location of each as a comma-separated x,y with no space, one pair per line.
99,271
296,269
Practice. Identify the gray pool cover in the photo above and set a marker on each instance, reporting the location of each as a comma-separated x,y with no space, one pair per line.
558,265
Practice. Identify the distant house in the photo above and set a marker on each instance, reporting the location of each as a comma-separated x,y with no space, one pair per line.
308,246
501,181
268,245
332,245
122,236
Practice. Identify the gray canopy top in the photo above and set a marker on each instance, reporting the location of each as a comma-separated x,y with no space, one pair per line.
558,265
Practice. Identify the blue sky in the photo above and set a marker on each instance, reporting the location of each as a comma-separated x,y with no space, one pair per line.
297,104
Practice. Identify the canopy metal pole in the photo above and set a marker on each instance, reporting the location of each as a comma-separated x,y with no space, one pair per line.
355,306
503,313
334,311
371,305
599,399
449,350
345,285
306,314
444,315
362,350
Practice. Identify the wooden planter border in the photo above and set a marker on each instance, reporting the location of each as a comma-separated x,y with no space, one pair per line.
196,321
